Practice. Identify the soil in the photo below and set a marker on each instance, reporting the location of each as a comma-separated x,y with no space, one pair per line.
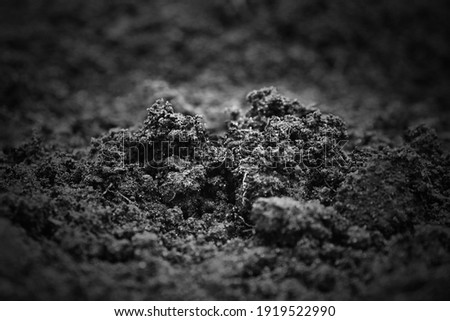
301,150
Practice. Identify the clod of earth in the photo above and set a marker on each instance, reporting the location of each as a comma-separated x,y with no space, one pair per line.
273,209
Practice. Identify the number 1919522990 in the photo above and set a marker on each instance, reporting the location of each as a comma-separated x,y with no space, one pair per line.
296,311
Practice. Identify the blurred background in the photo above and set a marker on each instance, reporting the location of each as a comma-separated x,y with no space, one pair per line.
72,69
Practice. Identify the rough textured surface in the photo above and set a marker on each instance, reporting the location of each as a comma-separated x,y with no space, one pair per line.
176,224
326,196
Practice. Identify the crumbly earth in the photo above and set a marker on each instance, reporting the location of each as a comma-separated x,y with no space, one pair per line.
122,176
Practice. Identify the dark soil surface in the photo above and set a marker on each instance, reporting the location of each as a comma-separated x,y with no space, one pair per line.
301,150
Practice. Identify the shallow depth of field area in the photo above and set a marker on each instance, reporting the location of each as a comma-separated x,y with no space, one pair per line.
301,150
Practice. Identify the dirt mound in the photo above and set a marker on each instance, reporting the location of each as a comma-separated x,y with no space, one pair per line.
275,208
